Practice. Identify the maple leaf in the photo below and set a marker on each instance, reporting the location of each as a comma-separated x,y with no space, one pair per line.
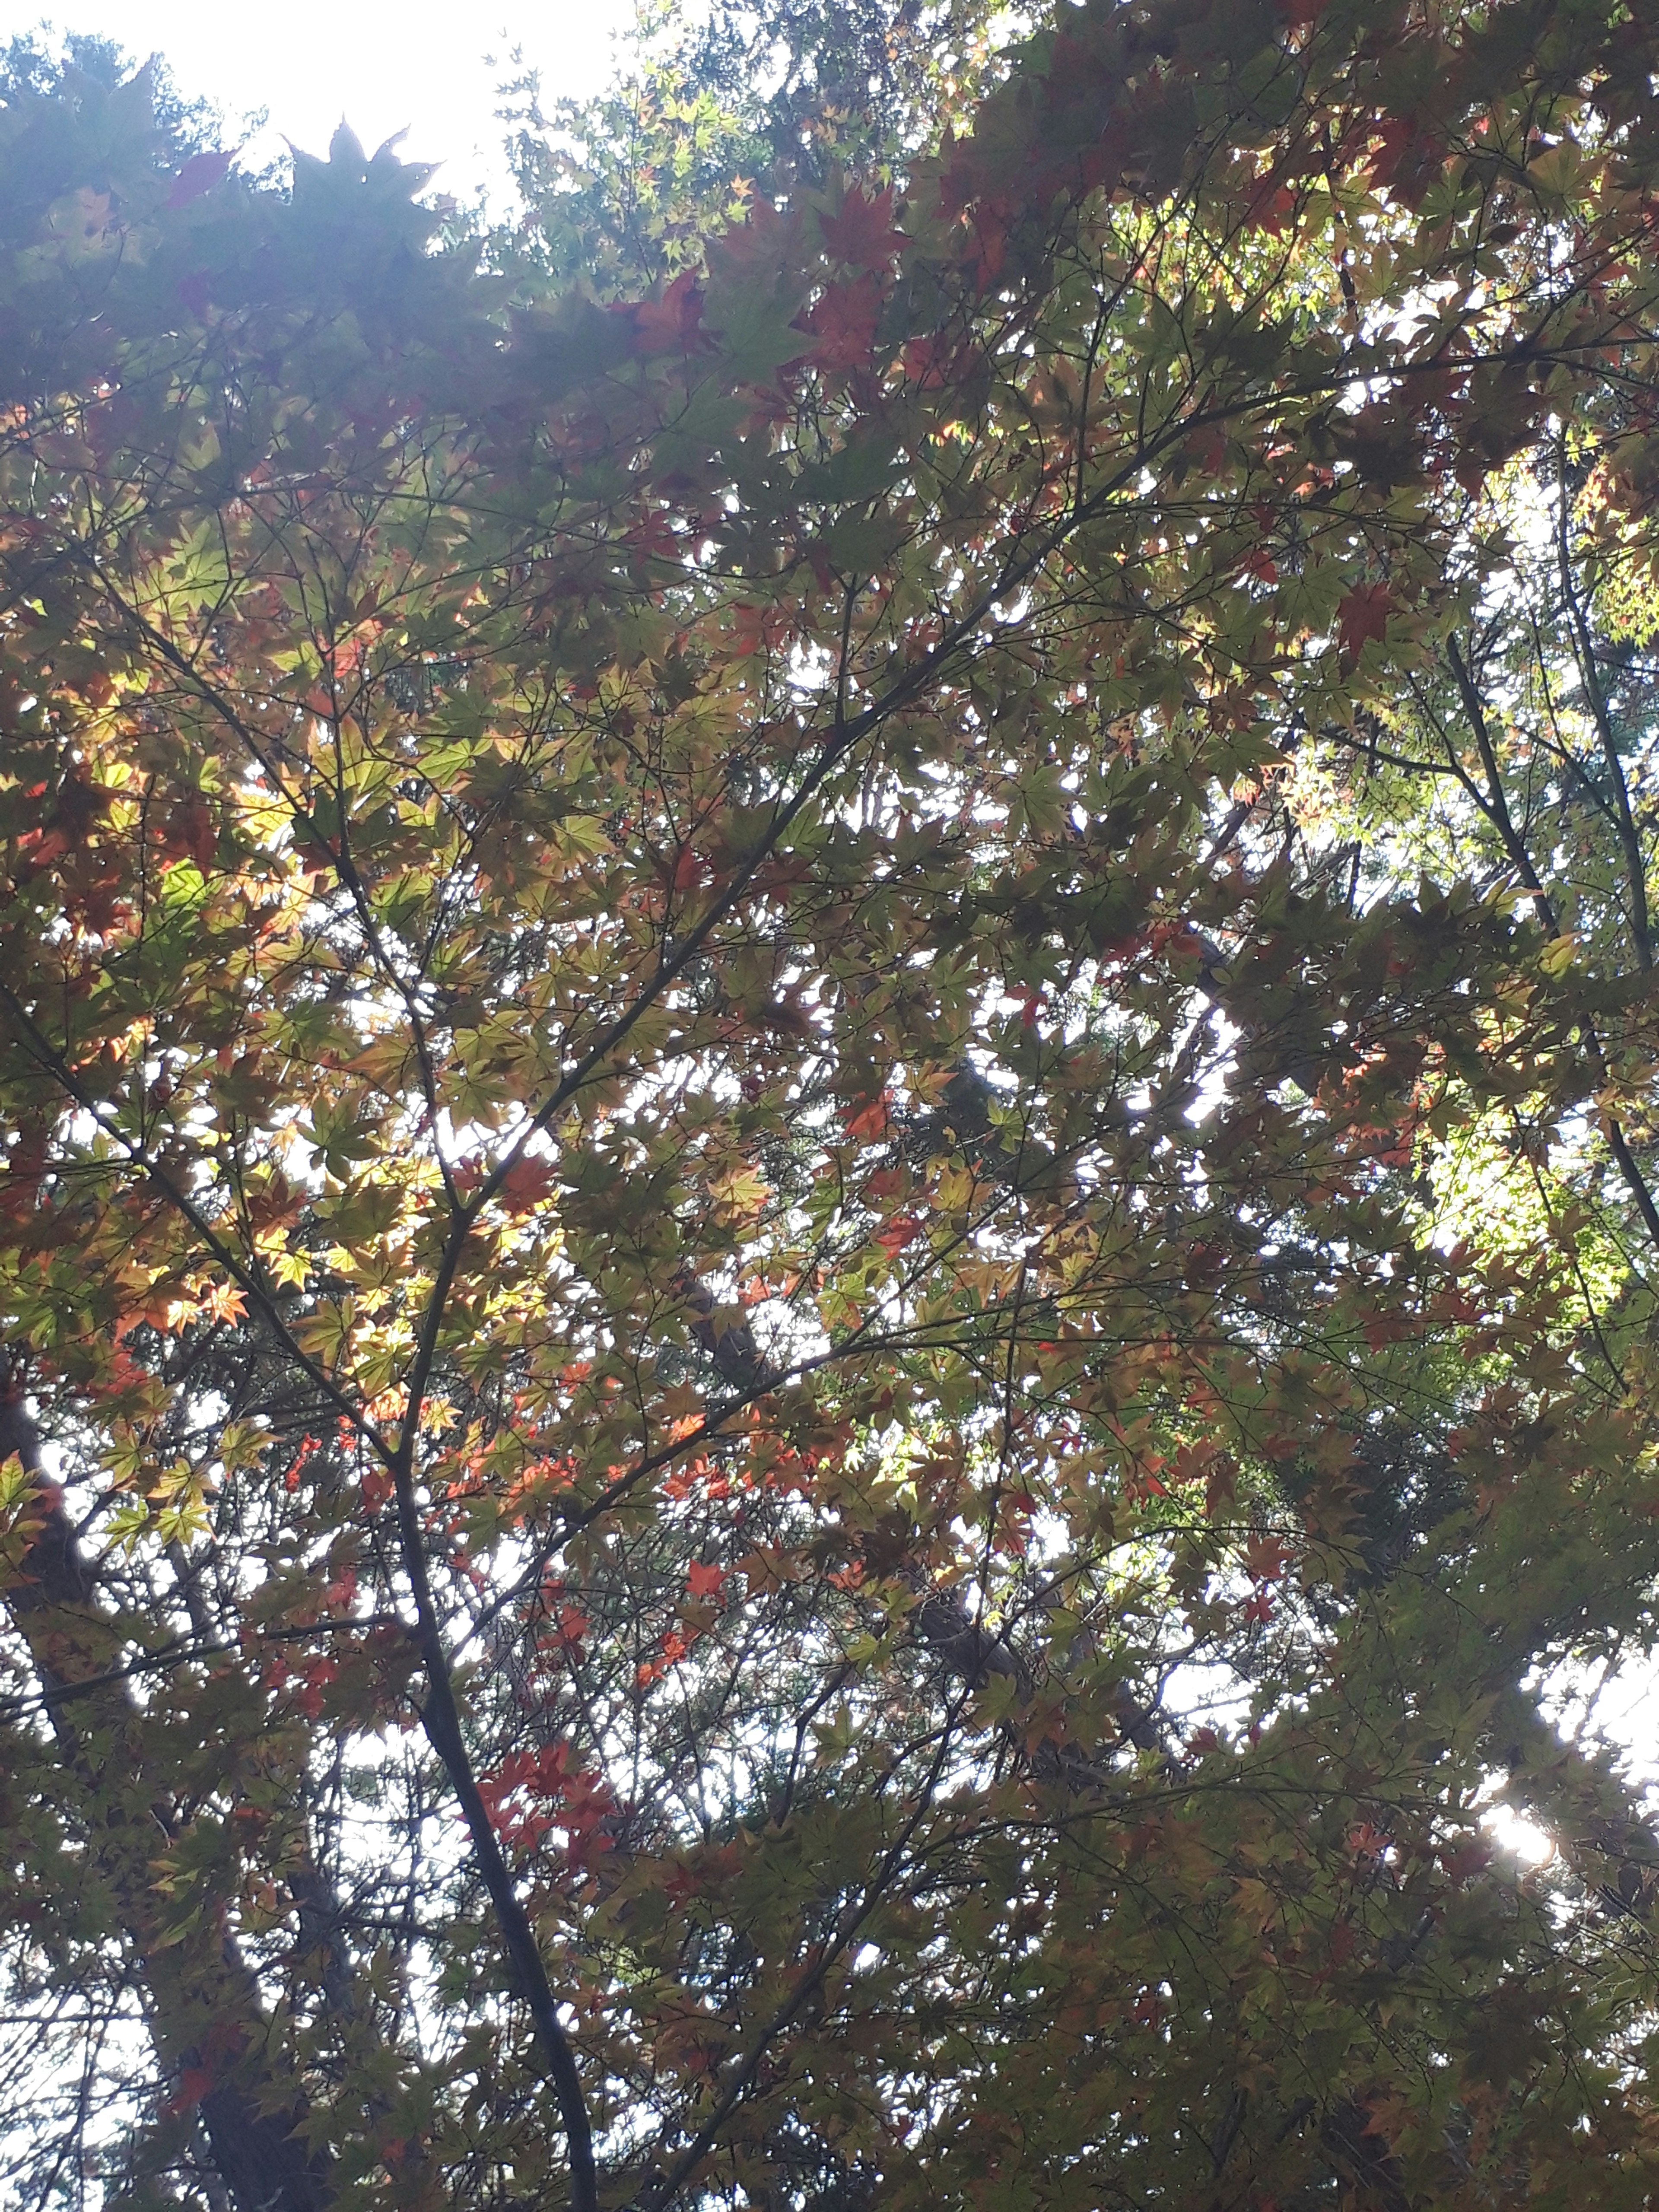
758,243
870,1120
1464,1858
194,291
842,321
861,232
199,174
1362,614
1265,1557
194,2082
191,829
527,1182
669,324
680,1885
814,755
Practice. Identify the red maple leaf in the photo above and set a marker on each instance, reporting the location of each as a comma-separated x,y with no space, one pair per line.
688,871
526,1183
897,1234
1464,1858
843,321
668,325
869,1120
1344,1943
991,220
199,174
1361,615
195,291
194,2082
681,1884
758,242
705,1578
862,231
1265,1559
191,829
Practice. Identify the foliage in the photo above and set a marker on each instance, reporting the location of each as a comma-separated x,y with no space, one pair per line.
719,104
738,1137
32,66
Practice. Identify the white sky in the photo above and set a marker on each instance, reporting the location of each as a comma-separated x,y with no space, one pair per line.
384,64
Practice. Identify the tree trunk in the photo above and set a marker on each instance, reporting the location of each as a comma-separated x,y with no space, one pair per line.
210,2029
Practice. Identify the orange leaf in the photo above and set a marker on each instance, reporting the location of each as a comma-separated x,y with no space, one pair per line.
870,1120
525,1184
194,2082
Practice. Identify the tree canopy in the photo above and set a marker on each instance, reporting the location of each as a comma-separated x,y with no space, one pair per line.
827,1240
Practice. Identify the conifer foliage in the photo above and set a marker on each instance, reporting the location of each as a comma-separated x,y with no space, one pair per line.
828,1093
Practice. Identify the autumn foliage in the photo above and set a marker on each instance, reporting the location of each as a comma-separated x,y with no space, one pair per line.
828,1101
